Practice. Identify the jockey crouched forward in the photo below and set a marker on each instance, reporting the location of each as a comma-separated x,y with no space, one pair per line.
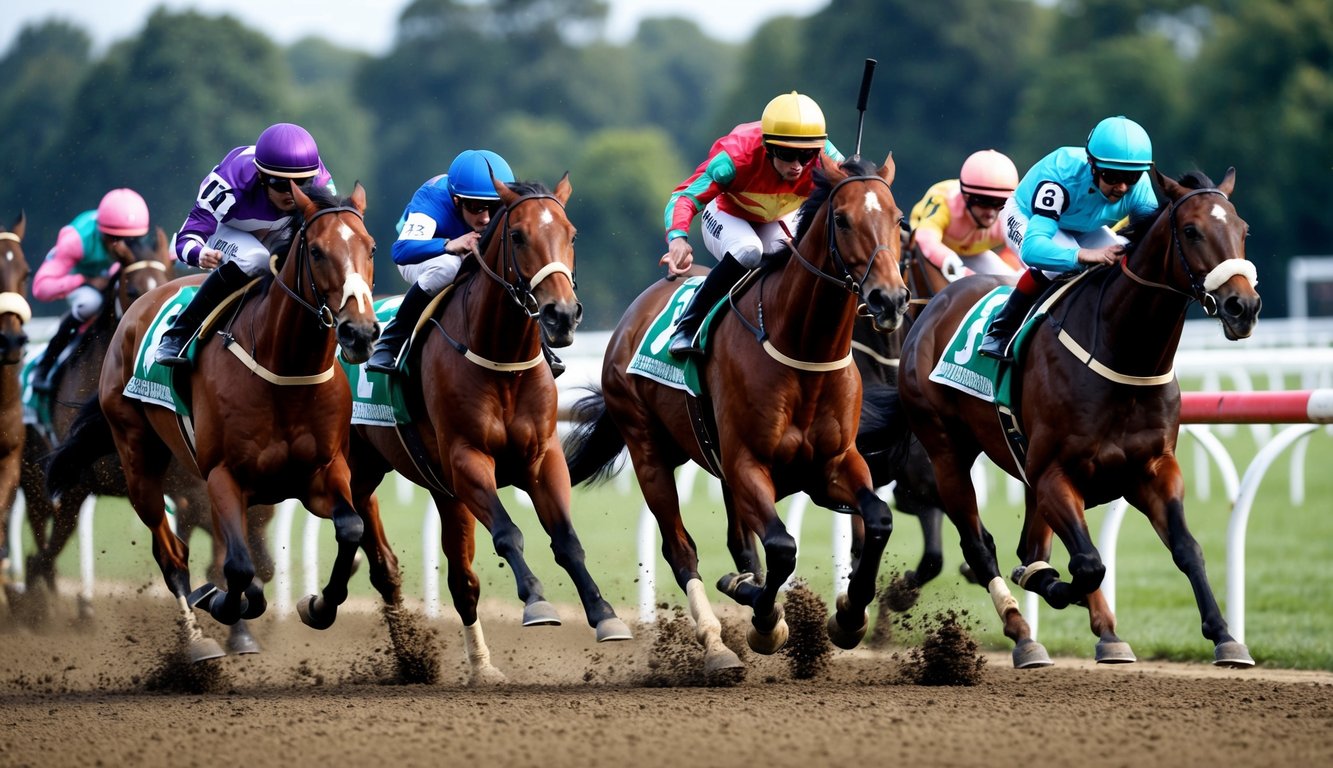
240,215
957,226
441,225
86,256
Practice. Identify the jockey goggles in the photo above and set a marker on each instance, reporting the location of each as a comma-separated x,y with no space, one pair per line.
982,201
792,154
1116,177
282,183
476,206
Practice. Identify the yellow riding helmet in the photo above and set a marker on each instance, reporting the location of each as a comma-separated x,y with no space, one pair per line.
794,120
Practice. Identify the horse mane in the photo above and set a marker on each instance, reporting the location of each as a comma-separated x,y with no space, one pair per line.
1139,225
854,166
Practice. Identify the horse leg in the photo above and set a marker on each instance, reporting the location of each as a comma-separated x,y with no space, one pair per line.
954,482
1161,497
457,541
915,494
741,542
657,481
320,611
1034,551
754,496
229,506
474,483
1059,505
550,491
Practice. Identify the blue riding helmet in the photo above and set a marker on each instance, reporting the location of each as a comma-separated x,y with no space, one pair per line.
287,150
1118,143
470,174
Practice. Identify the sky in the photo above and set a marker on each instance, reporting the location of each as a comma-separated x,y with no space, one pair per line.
369,25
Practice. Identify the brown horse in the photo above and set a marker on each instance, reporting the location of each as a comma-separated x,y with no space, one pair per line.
786,401
14,315
1099,424
144,265
488,409
270,416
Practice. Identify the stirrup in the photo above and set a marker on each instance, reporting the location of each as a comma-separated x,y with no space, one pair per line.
682,345
994,351
169,357
379,367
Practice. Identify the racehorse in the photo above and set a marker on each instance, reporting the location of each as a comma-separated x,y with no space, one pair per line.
14,314
786,402
270,412
143,265
1099,407
487,412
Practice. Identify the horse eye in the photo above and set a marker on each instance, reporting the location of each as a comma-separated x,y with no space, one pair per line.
840,221
1193,233
316,253
517,238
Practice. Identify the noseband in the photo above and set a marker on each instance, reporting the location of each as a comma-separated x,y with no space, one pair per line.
520,291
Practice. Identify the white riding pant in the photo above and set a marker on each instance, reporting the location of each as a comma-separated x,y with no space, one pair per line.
1015,224
746,241
84,302
434,274
244,249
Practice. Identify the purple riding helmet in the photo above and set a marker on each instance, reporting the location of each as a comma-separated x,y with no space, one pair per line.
287,150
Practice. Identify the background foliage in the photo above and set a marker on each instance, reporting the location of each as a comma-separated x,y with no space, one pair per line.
1216,82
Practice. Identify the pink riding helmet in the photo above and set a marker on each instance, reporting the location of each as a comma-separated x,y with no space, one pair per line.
122,213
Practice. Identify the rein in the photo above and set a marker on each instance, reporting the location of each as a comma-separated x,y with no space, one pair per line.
520,291
322,312
847,282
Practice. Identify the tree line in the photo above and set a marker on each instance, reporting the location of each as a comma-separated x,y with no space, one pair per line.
1217,83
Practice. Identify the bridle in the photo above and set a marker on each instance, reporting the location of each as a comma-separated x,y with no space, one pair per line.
520,291
847,281
303,267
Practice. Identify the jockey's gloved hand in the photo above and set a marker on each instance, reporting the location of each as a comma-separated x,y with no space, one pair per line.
953,267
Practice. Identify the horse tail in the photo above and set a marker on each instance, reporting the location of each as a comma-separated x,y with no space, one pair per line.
594,444
89,439
884,438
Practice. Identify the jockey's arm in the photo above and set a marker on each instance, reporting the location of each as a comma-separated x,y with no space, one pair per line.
56,277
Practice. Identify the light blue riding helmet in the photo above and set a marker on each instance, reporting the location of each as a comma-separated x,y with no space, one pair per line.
470,174
1121,144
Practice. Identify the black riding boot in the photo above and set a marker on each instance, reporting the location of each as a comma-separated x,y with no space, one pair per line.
46,364
725,275
1005,324
390,345
221,283
557,365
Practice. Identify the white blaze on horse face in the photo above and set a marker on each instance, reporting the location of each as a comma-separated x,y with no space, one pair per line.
872,203
1219,213
546,218
355,287
345,232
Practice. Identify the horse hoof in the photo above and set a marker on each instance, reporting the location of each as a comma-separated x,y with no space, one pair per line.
613,629
838,634
770,642
205,648
1232,654
540,613
310,615
486,676
1030,654
240,644
1115,652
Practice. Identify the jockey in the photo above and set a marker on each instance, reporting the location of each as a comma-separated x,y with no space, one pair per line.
957,224
441,225
81,265
240,216
754,180
1059,218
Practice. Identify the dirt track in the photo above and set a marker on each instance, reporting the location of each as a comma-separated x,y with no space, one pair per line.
81,697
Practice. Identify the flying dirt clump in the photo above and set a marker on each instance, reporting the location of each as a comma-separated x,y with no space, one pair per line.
947,656
808,648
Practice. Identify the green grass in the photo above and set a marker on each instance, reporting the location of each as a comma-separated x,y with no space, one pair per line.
1289,600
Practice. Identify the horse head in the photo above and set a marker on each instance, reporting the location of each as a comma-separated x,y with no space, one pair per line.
530,248
14,309
144,265
863,226
1208,241
333,260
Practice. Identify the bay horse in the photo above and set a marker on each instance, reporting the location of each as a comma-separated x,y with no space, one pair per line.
14,316
270,411
144,264
488,409
1099,406
786,401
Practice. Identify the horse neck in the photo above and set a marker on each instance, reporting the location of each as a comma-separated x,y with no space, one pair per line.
289,338
1138,327
495,324
817,331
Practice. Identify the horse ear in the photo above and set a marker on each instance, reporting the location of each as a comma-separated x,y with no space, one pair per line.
163,248
888,170
1228,182
1168,185
507,195
303,202
21,225
358,196
563,189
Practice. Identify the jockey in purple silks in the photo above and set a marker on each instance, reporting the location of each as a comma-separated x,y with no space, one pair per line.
240,214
